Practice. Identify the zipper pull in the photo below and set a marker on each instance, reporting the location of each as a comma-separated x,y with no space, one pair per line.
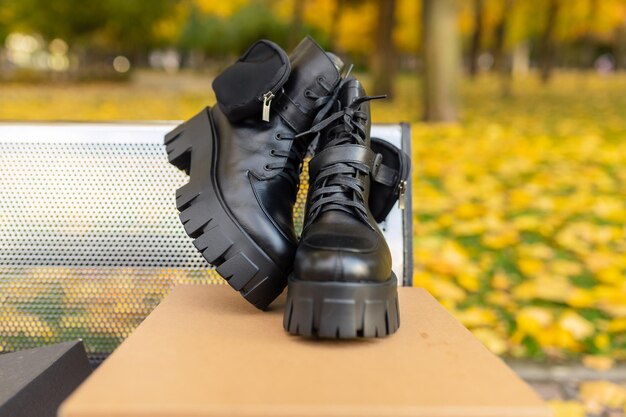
401,194
267,102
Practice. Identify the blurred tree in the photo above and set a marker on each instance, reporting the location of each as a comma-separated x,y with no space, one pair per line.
130,26
476,37
335,25
340,22
6,18
255,21
369,32
71,20
221,9
407,32
383,63
500,34
589,40
547,46
295,33
122,25
501,63
441,51
358,18
206,33
619,46
231,31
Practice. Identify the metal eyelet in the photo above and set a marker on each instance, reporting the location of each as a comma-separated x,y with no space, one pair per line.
272,152
277,136
267,167
308,93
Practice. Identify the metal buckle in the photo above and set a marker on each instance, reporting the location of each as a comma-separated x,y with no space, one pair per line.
378,161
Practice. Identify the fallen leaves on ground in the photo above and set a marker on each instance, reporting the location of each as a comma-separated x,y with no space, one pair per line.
520,214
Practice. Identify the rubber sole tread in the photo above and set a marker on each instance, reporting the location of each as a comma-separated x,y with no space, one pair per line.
336,310
216,233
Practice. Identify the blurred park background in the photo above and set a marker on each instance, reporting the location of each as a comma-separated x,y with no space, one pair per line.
518,111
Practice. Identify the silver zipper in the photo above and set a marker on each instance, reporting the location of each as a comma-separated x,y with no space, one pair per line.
401,194
267,102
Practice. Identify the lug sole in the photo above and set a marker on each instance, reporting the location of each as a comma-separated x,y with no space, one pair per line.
342,310
193,147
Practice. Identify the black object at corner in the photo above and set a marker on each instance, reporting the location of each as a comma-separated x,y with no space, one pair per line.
34,382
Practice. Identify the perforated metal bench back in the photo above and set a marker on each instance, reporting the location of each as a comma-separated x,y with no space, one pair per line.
90,240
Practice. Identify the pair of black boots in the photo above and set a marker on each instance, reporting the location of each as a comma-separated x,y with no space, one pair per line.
244,158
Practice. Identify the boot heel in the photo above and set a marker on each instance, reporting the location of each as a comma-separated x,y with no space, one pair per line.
342,310
179,142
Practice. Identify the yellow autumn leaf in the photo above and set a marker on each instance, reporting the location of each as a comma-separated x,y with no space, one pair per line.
564,267
530,266
467,228
492,340
500,281
469,210
468,281
544,287
446,290
531,320
598,363
576,325
562,408
476,316
611,275
604,393
579,297
501,239
617,325
502,299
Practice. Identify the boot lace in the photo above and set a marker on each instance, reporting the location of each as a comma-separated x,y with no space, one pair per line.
340,186
292,167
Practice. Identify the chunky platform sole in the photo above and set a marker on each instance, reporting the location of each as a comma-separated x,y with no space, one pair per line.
193,148
342,310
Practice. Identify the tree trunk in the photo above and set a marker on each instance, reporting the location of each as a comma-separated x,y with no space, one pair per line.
500,33
619,47
335,26
442,60
384,58
476,37
546,45
520,62
296,23
588,40
502,61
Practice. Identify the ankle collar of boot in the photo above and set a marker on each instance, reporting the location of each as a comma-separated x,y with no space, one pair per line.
298,108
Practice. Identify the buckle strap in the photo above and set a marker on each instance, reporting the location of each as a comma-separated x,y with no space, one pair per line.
346,154
289,111
386,176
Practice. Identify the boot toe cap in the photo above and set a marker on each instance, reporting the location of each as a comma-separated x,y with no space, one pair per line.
343,258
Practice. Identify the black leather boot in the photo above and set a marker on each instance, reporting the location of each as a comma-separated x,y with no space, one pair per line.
244,162
342,285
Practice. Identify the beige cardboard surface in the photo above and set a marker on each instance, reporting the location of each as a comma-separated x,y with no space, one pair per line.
205,352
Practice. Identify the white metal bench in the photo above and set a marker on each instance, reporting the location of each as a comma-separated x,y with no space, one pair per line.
90,239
